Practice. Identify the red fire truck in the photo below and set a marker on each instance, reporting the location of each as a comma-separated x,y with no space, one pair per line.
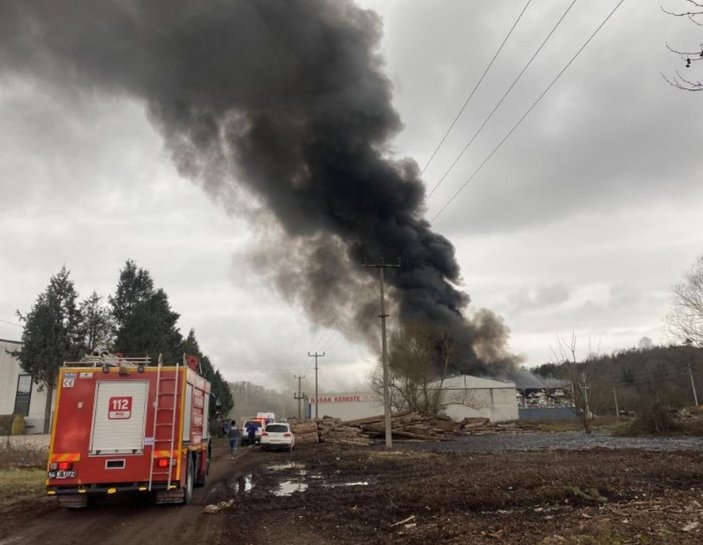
123,425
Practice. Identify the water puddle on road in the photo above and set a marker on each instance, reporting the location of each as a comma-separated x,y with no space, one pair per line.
245,483
282,467
338,485
287,488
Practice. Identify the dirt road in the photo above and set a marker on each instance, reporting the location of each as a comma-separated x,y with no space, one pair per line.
324,494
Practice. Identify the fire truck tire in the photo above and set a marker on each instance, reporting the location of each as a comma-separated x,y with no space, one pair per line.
190,481
201,478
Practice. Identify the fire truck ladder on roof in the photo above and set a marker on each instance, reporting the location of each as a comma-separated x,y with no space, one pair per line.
164,432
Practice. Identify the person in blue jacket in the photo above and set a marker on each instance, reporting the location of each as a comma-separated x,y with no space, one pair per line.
251,432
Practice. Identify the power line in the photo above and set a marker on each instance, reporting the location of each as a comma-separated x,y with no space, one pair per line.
332,341
321,334
466,103
529,110
12,323
339,338
500,102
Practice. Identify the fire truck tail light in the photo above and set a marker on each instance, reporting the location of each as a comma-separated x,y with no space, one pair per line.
64,466
162,462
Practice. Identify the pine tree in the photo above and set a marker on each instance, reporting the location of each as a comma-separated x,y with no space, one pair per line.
146,325
97,325
51,335
220,390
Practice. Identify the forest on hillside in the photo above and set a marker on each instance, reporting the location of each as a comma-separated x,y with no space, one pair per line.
671,376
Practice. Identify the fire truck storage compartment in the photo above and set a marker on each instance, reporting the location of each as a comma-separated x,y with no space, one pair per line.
187,417
119,417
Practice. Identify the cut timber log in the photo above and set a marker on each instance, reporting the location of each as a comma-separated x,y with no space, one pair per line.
307,438
355,442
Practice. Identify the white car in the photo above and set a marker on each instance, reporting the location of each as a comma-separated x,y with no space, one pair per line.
277,435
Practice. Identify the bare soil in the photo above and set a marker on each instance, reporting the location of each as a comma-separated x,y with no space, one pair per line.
412,494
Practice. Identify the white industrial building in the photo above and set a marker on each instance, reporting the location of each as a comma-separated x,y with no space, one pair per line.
466,396
462,396
18,393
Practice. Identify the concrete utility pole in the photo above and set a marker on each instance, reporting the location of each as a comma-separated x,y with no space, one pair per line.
693,384
617,410
300,395
689,343
316,355
587,409
386,394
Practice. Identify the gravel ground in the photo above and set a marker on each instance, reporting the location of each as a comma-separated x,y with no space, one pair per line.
556,441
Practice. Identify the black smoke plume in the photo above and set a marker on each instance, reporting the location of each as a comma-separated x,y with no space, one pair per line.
288,100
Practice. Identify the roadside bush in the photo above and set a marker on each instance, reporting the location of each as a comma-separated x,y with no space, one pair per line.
654,419
18,425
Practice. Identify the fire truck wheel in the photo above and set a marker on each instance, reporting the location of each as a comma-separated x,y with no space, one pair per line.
201,478
190,478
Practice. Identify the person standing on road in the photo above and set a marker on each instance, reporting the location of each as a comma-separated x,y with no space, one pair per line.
233,436
251,431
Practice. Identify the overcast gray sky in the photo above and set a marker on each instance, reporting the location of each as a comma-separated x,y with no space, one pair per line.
580,222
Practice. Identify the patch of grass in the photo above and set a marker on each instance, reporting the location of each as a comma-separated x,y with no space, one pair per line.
621,428
23,456
16,484
560,426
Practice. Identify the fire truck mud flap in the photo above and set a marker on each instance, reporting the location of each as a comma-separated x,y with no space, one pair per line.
179,495
170,496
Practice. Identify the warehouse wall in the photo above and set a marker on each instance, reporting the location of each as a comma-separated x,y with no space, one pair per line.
10,370
346,406
496,404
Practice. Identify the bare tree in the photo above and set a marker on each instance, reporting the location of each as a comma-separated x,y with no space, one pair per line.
581,375
420,356
476,399
695,15
686,320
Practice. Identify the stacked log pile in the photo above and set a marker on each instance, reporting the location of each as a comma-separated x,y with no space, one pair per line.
407,425
404,426
305,431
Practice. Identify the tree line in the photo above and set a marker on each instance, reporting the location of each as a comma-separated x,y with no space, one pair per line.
136,321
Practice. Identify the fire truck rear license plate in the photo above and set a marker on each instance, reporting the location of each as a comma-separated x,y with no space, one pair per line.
62,474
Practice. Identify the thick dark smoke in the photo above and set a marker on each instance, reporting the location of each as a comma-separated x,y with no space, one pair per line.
288,100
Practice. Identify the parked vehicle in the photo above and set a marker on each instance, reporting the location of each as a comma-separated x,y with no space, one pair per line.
266,417
123,425
278,435
245,431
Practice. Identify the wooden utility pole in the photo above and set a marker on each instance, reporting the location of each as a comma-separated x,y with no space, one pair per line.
316,355
299,396
386,394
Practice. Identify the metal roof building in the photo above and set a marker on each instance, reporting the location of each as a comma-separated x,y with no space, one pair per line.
466,396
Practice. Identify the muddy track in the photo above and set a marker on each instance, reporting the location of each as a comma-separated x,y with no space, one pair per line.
414,494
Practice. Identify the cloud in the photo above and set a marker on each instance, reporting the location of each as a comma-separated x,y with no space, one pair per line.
542,297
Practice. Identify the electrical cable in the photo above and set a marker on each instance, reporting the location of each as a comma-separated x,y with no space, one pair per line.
534,104
12,323
466,103
500,102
